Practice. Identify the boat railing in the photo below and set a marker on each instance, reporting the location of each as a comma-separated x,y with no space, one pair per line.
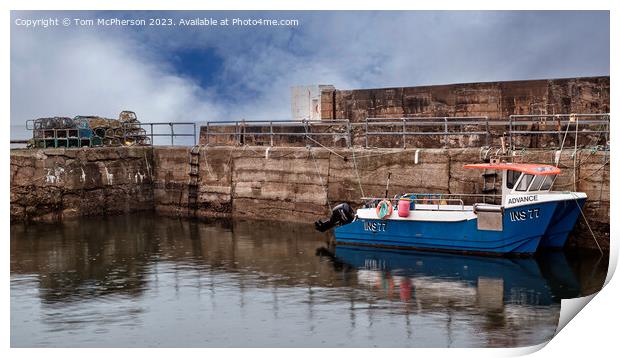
439,201
442,204
467,198
431,204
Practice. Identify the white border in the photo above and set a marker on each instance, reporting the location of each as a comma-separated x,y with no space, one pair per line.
592,332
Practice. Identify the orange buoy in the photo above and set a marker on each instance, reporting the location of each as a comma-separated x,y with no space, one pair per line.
384,209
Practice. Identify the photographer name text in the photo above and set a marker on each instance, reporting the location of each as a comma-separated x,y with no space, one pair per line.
163,21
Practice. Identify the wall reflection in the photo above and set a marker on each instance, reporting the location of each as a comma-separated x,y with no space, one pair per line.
94,256
121,260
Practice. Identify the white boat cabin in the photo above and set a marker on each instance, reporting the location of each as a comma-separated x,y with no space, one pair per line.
520,180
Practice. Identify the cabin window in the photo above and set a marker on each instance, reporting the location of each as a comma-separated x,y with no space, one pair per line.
525,182
511,178
548,182
538,180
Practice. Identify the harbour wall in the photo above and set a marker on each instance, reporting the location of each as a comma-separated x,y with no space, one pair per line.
472,104
496,100
54,184
271,183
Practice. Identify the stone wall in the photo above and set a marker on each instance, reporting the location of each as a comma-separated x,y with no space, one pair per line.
280,183
496,100
53,184
300,184
171,181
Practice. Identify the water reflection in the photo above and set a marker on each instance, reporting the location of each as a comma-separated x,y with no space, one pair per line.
140,280
491,282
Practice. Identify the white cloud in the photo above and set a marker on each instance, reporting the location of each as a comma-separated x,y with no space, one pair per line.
70,72
90,73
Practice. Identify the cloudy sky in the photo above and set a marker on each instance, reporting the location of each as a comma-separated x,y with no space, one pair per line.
178,73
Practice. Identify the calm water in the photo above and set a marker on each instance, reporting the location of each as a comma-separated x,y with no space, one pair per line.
141,280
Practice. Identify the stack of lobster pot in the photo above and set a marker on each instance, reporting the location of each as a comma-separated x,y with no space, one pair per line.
88,131
130,131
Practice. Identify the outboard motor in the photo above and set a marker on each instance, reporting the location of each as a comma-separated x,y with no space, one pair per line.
342,214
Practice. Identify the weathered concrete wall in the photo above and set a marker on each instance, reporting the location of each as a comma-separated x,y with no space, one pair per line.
299,184
496,100
52,184
282,183
171,181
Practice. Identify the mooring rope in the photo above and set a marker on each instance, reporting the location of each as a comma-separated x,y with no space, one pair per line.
329,149
205,149
593,148
562,145
587,223
387,153
586,177
329,205
575,152
600,192
359,180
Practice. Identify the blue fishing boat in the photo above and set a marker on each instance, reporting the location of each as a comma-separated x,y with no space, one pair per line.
527,215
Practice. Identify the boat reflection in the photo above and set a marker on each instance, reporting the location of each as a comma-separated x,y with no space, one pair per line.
484,281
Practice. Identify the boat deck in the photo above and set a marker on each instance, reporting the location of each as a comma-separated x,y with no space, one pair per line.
426,212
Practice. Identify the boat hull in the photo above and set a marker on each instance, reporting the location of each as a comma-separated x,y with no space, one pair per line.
522,229
564,219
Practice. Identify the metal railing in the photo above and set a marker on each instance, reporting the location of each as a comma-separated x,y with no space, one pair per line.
433,202
240,129
404,127
435,198
437,204
559,120
171,134
445,123
486,198
77,136
482,126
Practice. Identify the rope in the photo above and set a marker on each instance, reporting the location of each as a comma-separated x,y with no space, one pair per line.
282,156
593,150
359,180
592,146
329,205
209,173
562,145
591,174
148,167
588,224
231,154
330,150
600,192
386,153
575,152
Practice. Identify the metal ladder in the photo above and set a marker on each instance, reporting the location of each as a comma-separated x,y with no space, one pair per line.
194,178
